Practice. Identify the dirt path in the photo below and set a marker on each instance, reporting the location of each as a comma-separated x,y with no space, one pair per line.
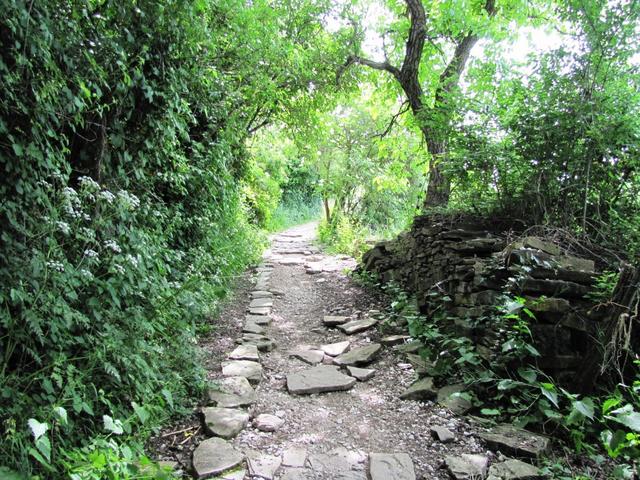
364,431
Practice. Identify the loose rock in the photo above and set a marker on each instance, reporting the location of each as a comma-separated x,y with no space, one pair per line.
232,392
515,441
356,326
245,352
442,434
361,374
252,371
263,466
467,466
268,423
359,356
334,321
391,466
335,349
421,389
214,456
514,470
322,378
224,422
312,357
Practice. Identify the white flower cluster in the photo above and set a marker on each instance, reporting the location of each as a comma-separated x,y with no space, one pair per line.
119,269
88,184
134,261
63,227
86,274
72,203
58,266
112,245
129,199
90,253
107,196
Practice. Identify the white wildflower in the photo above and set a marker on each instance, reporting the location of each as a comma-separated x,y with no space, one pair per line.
119,269
86,274
63,227
55,266
129,199
88,183
107,196
90,253
112,245
133,260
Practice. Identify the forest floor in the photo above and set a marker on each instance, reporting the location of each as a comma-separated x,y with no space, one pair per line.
336,431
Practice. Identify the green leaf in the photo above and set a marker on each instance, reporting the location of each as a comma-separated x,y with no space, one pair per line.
37,429
628,419
528,374
585,407
141,412
61,414
114,426
44,447
490,411
549,391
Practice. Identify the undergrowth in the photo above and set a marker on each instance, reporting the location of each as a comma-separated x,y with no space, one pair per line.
504,384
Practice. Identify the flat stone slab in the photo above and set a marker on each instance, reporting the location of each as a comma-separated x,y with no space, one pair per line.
233,392
224,422
515,441
335,349
264,344
267,422
421,389
467,466
261,302
245,352
442,434
394,340
297,474
361,374
359,356
263,466
252,371
334,320
235,474
410,347
514,470
339,464
261,320
318,379
259,310
356,326
450,397
312,357
261,294
294,457
391,466
250,327
213,456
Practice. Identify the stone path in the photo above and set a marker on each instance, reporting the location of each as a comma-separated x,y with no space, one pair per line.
313,389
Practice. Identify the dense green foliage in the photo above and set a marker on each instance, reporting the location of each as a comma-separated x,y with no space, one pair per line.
129,202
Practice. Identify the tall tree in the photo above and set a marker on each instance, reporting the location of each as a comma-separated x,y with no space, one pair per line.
434,29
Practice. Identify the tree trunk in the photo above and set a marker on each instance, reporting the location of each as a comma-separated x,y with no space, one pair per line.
439,187
327,211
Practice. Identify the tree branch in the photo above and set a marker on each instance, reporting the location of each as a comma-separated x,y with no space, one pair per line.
404,108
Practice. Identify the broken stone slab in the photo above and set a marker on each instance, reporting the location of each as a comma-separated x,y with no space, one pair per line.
392,340
515,441
312,357
359,356
335,349
391,466
213,456
356,326
259,310
264,344
334,320
467,466
261,294
421,389
410,347
250,327
245,352
294,457
442,434
263,466
252,371
450,397
339,464
224,422
261,302
361,374
514,470
232,392
539,244
261,320
297,474
318,379
267,423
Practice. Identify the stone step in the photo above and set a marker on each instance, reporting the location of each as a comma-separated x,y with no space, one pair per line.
214,456
322,378
252,371
356,326
391,466
232,392
359,356
224,422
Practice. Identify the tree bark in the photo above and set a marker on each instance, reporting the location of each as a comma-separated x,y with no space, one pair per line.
439,186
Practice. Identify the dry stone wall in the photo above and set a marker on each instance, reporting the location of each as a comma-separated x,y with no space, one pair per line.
473,263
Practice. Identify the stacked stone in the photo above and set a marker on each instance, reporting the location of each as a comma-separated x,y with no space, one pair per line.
472,263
